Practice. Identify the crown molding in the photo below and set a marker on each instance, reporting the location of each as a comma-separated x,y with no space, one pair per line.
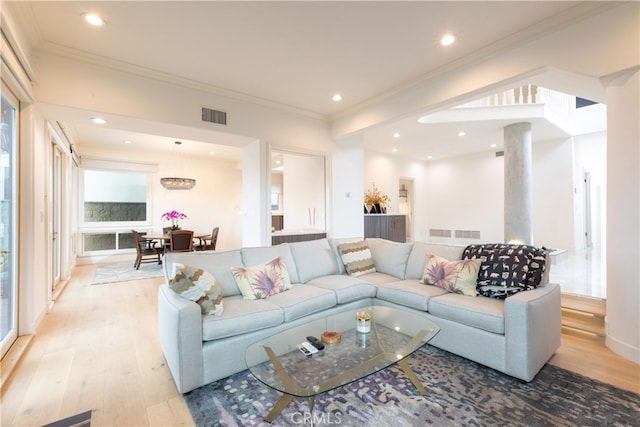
125,67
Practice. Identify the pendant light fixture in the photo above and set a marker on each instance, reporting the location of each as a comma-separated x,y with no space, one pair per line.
175,183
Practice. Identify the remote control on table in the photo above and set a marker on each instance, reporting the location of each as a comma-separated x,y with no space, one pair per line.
306,348
316,342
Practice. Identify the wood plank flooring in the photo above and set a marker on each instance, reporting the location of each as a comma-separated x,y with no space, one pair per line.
98,349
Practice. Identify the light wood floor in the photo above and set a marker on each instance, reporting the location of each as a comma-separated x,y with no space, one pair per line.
98,349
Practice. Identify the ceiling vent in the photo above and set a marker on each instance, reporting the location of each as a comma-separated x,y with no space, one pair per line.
499,153
214,116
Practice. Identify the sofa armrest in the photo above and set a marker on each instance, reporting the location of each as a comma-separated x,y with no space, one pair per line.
180,331
533,326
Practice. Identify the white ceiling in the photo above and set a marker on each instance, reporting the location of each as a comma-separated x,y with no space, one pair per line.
296,54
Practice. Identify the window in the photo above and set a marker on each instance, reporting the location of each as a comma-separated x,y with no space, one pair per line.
113,203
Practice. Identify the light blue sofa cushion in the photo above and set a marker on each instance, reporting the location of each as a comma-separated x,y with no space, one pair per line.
217,263
302,300
418,256
314,259
347,288
241,316
478,312
260,255
390,257
409,293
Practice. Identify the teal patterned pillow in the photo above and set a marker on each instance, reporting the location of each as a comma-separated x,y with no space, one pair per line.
263,280
197,285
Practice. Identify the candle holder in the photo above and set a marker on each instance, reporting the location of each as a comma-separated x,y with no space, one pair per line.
363,322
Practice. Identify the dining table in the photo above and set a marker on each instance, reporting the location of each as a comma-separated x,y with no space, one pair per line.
165,238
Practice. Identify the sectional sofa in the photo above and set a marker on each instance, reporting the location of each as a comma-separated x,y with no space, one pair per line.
516,335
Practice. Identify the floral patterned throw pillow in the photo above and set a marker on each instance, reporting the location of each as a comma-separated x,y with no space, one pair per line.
262,280
455,276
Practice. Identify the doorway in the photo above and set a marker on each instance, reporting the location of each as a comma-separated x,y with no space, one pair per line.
405,204
55,210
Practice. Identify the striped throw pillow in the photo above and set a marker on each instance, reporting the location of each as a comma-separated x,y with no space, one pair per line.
199,286
357,258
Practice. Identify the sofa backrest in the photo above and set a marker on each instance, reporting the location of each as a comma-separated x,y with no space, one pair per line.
389,257
217,263
420,250
262,254
314,258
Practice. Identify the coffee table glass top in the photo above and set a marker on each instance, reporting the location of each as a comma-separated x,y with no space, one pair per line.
394,335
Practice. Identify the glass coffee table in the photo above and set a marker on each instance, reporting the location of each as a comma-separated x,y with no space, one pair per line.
394,335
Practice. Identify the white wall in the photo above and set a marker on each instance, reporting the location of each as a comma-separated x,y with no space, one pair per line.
347,183
35,276
623,211
216,200
553,196
465,193
304,192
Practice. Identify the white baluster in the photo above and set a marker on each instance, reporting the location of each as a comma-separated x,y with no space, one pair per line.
529,97
540,95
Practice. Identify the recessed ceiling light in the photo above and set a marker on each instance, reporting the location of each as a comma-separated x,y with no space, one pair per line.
493,145
93,19
395,150
429,157
447,39
461,133
337,97
98,120
212,152
396,135
127,141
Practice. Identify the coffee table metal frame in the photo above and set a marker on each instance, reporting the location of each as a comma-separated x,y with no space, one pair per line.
395,334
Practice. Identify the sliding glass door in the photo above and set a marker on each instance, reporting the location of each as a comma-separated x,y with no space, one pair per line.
8,224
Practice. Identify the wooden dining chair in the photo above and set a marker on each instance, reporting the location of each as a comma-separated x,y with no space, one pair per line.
146,250
181,241
208,243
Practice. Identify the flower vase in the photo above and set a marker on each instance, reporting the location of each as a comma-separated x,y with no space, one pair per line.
376,208
174,224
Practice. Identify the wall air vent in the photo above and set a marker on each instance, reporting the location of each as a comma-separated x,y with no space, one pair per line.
499,153
467,234
434,232
214,116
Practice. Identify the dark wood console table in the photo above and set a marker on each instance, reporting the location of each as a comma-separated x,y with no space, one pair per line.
390,227
278,238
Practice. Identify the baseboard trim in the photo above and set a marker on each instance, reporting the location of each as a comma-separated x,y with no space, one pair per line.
623,349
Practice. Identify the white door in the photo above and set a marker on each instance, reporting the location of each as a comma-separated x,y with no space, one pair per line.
55,215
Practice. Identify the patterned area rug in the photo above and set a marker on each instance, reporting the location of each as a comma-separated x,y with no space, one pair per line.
462,393
124,271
